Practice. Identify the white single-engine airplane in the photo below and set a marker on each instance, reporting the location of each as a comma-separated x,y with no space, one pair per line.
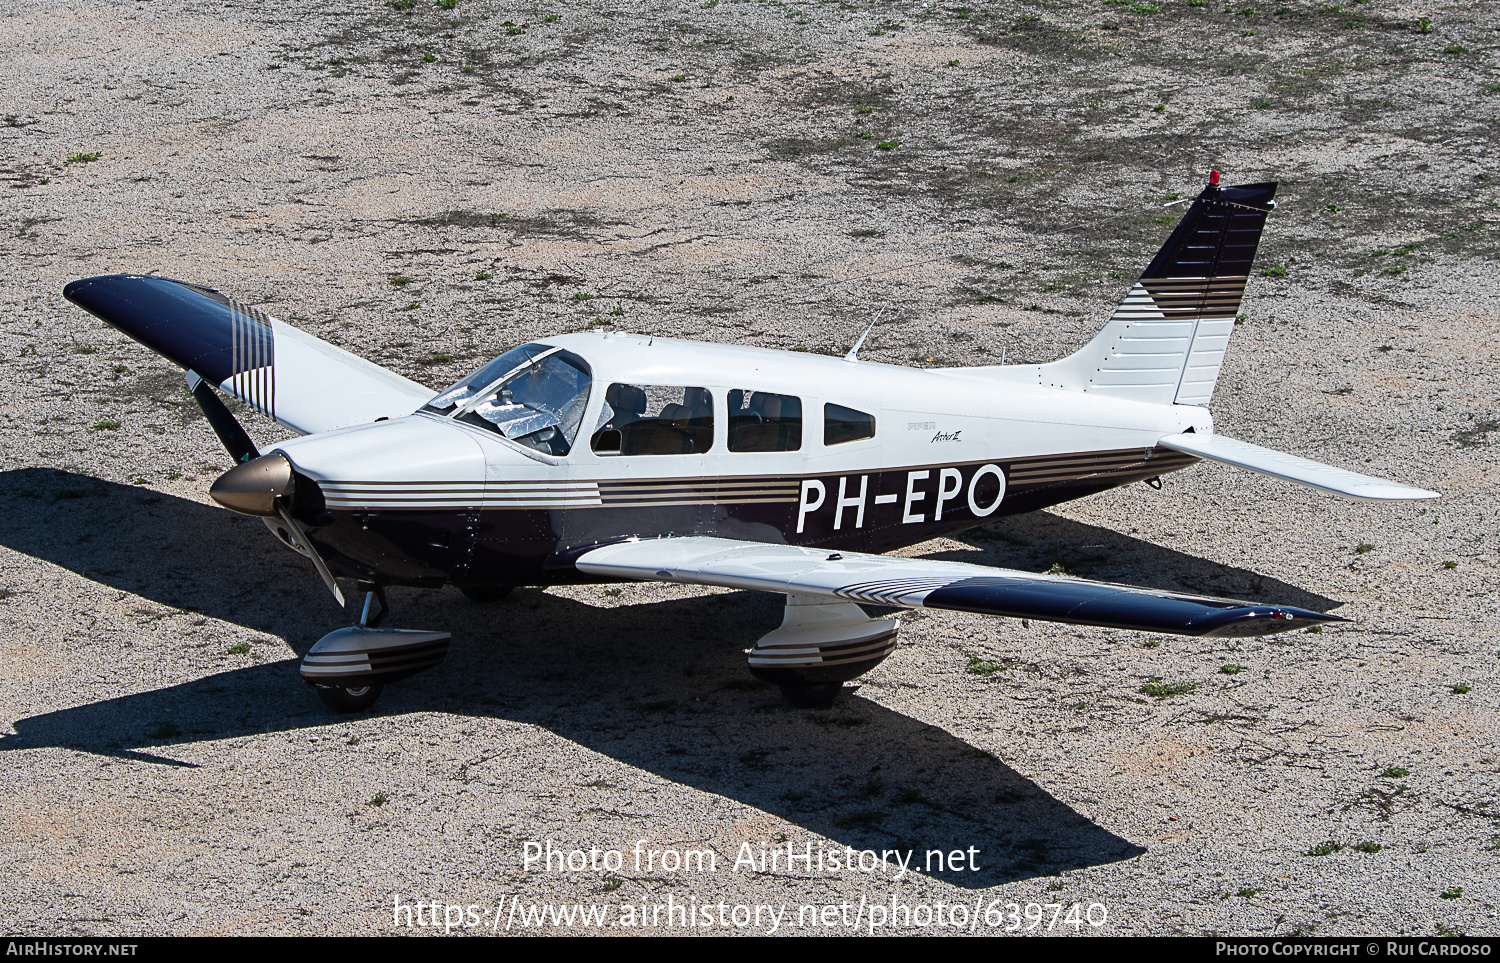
608,456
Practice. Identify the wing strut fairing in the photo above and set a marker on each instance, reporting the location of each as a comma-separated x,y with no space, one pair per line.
289,375
928,584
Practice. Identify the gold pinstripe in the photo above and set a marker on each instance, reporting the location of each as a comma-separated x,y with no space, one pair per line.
731,490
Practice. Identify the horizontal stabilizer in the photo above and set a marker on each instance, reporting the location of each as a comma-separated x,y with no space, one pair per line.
930,584
304,383
1303,471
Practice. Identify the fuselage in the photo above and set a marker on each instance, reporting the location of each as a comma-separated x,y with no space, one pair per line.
655,437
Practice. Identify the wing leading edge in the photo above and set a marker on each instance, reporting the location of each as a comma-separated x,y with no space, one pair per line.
304,383
928,584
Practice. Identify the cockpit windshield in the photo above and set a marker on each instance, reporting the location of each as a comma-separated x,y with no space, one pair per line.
534,395
464,390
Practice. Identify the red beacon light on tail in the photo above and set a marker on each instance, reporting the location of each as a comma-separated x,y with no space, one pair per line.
1213,178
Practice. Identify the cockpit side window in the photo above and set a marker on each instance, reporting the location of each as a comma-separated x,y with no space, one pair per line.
842,425
539,406
761,421
654,420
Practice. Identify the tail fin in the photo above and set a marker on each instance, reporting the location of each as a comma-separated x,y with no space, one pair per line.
1165,342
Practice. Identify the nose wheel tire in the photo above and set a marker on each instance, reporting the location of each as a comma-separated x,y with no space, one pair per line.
486,593
349,698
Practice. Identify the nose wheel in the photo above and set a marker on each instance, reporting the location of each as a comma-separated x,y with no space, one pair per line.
350,667
349,698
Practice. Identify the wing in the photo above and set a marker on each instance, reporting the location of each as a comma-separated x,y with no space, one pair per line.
302,382
1303,471
926,584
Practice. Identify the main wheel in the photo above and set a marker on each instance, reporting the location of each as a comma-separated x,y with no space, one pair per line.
349,698
812,695
486,593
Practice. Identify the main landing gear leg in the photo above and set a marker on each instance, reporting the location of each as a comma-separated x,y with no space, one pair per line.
350,667
822,643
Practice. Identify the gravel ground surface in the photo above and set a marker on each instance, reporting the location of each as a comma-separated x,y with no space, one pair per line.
705,171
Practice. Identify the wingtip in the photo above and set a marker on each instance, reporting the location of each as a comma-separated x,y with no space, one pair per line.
1388,492
73,289
1248,620
1293,614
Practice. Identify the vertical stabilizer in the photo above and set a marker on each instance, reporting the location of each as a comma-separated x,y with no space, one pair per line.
1165,342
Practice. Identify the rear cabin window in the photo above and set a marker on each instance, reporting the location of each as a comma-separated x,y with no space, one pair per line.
842,425
655,420
761,421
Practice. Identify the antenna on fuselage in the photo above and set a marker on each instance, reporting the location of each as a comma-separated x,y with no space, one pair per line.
850,357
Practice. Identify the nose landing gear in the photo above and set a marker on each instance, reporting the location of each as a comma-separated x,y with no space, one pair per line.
350,667
350,698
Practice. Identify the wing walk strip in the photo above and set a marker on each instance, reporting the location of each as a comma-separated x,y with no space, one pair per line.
903,592
655,493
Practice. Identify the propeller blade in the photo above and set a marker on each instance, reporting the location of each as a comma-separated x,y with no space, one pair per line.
312,553
260,487
246,488
235,441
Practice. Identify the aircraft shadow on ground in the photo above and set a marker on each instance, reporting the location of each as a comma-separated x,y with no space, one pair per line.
658,685
1038,540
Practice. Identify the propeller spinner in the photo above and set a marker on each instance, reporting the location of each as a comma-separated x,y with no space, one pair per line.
252,487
